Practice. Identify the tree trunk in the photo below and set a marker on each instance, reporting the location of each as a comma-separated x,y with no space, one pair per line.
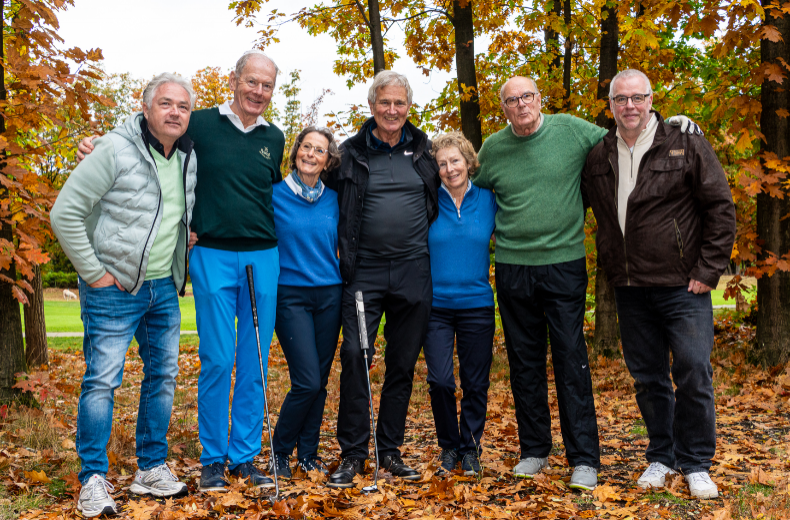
36,353
566,62
376,39
463,22
552,39
606,337
773,292
12,353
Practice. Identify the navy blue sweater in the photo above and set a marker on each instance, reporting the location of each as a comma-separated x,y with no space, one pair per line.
307,238
459,250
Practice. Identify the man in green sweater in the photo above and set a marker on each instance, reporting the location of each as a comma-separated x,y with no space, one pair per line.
534,166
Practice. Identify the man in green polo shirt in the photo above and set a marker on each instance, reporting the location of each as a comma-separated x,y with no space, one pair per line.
534,166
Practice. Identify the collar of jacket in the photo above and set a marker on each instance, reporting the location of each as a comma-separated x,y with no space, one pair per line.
183,143
358,144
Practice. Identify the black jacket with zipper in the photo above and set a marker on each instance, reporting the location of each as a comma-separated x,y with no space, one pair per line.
350,180
680,219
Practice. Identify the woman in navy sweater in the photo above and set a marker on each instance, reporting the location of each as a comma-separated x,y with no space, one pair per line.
308,295
463,304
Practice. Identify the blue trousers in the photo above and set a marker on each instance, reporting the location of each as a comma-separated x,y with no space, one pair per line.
111,317
471,331
219,282
307,325
654,322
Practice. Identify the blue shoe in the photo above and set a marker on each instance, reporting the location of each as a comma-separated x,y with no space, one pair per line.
448,460
212,478
471,464
314,463
253,475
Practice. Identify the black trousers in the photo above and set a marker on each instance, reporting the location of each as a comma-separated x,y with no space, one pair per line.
532,299
401,289
471,332
655,321
307,325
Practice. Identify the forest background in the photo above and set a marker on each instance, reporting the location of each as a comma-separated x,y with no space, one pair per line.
723,64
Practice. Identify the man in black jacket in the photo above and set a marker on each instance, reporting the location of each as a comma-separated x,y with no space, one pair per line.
387,187
666,225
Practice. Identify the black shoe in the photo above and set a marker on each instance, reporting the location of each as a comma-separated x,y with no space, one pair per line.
283,466
471,464
343,477
314,463
448,459
253,475
212,478
394,464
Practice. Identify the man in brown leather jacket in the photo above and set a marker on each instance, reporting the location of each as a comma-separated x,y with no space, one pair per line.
666,226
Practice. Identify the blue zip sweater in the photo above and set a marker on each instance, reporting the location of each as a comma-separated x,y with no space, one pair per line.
307,238
458,243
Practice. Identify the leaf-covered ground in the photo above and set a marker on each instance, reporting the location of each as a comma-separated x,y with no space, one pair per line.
38,459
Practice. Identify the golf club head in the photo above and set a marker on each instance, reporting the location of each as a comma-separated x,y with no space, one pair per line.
370,489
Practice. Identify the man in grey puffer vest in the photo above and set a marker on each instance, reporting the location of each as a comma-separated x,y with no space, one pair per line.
123,220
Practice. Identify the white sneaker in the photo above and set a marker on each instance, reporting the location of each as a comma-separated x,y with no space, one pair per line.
530,466
158,481
654,476
95,498
701,486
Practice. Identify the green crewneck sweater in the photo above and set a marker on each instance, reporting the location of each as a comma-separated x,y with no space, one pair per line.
537,180
235,172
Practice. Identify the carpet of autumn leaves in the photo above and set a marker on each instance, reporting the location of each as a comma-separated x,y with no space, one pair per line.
38,459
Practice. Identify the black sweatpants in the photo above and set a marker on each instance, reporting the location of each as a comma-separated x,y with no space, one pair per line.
532,299
401,289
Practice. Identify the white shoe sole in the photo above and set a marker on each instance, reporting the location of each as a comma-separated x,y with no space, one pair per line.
575,485
216,488
140,489
648,485
108,510
706,496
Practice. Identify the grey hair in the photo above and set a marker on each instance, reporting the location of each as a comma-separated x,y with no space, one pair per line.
334,152
630,73
242,62
386,78
163,79
502,88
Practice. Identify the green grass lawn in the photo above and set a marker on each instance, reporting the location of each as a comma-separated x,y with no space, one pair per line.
65,316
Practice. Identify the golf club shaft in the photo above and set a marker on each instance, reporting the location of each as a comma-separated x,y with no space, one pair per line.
254,307
363,342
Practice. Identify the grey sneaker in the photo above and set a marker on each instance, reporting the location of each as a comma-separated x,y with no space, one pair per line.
95,498
158,481
654,476
701,486
527,468
584,477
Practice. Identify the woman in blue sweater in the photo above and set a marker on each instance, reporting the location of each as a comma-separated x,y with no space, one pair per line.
308,295
463,304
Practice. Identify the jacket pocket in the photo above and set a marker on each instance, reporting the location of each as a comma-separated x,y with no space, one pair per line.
678,237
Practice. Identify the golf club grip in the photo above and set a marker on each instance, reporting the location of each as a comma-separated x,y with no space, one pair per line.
251,283
361,323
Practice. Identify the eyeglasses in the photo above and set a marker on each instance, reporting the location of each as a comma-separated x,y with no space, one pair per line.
306,147
636,99
386,104
251,83
526,97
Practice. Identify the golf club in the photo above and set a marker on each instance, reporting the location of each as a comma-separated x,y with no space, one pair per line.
363,342
251,283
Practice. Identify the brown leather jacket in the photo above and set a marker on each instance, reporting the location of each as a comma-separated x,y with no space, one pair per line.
680,221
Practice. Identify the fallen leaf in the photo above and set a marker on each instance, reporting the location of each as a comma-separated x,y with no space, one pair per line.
37,477
68,444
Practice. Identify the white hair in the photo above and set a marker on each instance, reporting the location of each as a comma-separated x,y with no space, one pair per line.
386,78
504,85
630,73
164,79
242,62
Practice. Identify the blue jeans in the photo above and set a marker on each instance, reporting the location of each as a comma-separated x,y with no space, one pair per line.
307,325
219,281
111,318
654,322
471,332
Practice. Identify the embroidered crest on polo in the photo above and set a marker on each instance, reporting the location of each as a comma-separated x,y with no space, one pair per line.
265,152
677,153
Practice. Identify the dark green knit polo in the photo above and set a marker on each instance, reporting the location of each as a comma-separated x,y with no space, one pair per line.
235,173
